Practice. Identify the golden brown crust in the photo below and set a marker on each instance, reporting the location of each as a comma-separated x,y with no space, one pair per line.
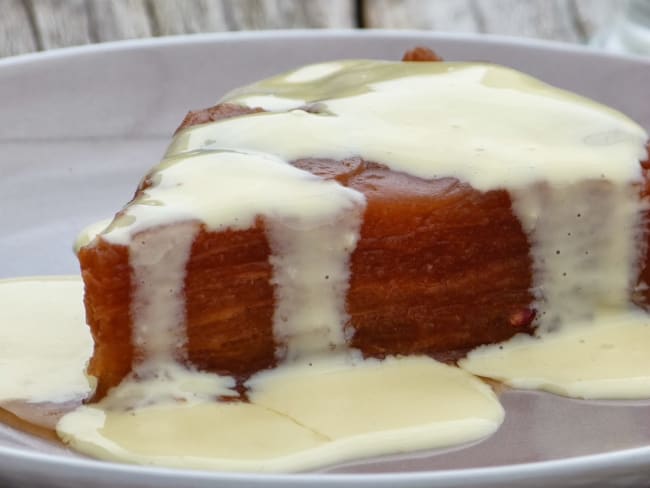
223,111
420,53
217,112
642,295
454,260
107,278
230,302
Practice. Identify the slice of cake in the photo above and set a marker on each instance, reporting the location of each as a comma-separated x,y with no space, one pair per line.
389,208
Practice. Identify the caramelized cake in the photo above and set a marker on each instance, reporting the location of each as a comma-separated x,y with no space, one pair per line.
294,283
439,266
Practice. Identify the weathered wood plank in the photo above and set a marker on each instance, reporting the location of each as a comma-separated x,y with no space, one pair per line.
592,16
181,16
279,14
185,17
562,20
545,19
16,32
118,19
61,23
28,25
441,15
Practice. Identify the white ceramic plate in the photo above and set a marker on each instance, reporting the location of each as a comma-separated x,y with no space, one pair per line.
78,127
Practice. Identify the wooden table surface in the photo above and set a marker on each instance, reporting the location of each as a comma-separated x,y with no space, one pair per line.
34,25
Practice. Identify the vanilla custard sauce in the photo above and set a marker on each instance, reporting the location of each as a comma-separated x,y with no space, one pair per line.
570,165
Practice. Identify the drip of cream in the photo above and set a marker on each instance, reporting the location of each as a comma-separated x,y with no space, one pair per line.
311,276
584,244
158,259
158,309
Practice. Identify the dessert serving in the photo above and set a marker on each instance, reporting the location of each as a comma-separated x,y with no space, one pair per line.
325,263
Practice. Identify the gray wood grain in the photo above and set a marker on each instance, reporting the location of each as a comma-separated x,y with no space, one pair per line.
547,19
118,19
29,25
283,14
593,15
441,15
560,20
187,17
61,23
17,34
182,16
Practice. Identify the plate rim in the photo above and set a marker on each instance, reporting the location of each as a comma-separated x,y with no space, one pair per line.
209,37
560,468
627,459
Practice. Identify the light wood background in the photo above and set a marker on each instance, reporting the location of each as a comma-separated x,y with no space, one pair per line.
34,25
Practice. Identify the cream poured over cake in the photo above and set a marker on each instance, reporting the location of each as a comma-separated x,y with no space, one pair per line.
571,168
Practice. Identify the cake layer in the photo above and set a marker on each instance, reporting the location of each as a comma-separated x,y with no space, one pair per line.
446,256
439,269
